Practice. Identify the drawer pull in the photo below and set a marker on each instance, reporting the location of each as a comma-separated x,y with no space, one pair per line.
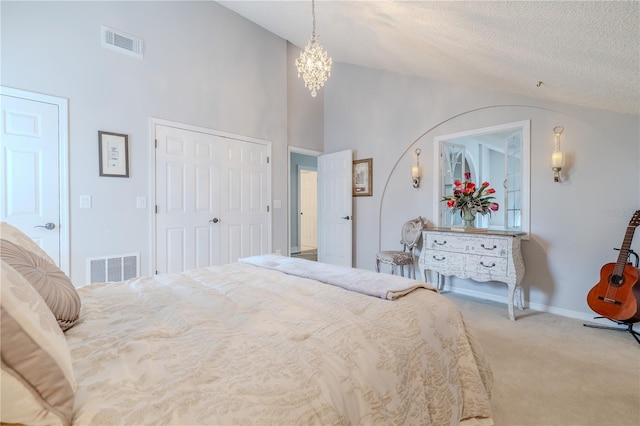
440,243
489,248
438,258
488,266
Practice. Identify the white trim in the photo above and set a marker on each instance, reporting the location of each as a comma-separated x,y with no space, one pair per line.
153,122
540,307
525,125
63,164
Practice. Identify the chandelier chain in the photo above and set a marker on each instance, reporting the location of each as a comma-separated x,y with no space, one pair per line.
313,15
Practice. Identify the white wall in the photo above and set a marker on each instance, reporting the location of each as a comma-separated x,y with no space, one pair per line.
574,224
203,66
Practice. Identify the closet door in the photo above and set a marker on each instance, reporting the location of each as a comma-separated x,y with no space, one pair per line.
211,198
245,200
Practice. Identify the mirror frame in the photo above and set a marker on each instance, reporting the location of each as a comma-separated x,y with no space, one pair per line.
525,165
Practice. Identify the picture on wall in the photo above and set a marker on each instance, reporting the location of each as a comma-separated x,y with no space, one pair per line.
363,178
114,154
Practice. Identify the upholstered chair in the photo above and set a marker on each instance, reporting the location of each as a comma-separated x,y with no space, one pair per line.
410,237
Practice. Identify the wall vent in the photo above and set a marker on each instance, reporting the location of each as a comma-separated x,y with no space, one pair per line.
121,42
113,268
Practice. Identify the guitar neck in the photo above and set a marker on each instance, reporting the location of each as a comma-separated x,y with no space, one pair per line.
624,251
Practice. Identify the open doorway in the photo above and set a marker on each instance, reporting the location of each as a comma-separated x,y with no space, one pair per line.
303,204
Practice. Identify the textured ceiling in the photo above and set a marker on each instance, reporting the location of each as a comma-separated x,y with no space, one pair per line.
584,53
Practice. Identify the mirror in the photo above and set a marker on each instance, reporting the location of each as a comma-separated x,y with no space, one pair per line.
498,155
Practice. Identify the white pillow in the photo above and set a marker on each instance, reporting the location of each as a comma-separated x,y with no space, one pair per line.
36,382
53,285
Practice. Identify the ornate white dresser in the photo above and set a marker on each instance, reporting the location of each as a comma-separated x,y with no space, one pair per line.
482,256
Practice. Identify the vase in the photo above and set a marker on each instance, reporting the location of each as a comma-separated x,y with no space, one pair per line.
468,218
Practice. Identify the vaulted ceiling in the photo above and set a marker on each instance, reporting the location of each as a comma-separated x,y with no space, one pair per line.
583,53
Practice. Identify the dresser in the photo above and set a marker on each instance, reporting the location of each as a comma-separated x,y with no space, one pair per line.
482,256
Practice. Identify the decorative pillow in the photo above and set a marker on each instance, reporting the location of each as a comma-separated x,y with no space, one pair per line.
52,284
19,238
36,380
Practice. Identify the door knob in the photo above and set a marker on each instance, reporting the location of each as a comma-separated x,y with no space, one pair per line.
214,220
346,217
48,226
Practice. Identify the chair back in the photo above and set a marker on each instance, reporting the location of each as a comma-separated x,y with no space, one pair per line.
412,232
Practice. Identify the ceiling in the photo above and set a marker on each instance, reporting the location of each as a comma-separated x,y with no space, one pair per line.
583,53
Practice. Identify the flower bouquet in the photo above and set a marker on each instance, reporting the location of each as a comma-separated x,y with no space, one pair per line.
470,199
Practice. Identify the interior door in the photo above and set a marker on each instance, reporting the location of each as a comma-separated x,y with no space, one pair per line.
308,197
212,197
335,230
29,170
187,200
245,194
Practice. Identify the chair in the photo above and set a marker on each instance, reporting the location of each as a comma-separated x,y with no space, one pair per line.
410,236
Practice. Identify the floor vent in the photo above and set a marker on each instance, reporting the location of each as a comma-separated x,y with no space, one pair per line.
113,268
121,42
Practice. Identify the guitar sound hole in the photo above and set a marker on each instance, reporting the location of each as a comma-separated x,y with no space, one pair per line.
616,279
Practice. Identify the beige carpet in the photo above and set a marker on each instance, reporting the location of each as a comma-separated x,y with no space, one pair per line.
307,254
551,370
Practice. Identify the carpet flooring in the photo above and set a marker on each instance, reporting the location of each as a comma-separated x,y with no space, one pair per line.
551,370
306,254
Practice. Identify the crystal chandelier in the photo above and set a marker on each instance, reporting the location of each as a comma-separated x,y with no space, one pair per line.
314,64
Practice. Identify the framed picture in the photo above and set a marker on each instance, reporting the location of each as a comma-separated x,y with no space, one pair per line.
114,154
363,178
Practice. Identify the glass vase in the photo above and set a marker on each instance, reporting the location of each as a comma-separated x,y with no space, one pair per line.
468,218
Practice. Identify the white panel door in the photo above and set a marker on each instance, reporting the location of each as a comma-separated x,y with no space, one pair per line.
212,198
308,187
187,200
29,170
244,215
335,208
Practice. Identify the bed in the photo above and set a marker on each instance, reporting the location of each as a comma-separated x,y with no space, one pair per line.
269,340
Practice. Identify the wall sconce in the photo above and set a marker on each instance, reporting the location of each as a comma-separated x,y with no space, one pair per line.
557,158
415,170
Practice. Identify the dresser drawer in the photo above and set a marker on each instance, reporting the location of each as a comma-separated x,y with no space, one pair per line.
446,242
486,267
447,263
488,246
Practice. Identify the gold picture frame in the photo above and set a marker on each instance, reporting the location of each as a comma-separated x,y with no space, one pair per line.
362,184
114,154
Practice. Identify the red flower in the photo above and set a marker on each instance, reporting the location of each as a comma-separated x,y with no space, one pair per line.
467,175
494,207
457,182
451,203
491,190
470,187
485,184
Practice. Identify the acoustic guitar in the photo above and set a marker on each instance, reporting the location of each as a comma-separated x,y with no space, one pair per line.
617,294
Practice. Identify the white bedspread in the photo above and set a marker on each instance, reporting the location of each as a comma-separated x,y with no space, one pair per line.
383,286
240,344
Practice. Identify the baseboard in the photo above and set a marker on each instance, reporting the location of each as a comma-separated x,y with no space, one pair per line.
582,316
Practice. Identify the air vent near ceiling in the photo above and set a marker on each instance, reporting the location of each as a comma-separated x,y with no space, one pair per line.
121,42
113,268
